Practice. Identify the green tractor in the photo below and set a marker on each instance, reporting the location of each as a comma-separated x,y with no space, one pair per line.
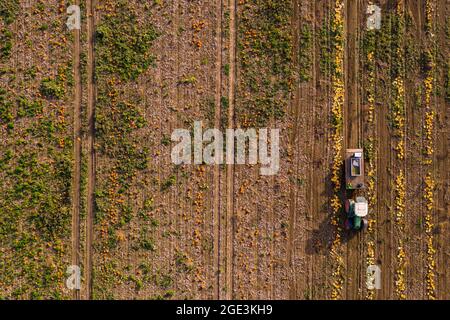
356,210
356,214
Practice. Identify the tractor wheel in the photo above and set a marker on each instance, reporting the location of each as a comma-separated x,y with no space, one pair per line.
365,224
347,205
347,224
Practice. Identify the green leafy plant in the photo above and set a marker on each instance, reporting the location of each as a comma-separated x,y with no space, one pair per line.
52,88
122,46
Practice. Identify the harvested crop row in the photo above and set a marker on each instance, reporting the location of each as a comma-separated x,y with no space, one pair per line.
430,114
337,137
369,44
398,112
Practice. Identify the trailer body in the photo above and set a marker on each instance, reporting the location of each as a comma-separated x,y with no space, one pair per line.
354,169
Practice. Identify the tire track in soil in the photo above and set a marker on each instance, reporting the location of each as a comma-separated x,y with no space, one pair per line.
301,109
383,186
76,182
184,204
230,168
320,164
90,6
363,136
311,113
293,138
414,162
316,78
376,135
384,230
352,138
216,172
321,161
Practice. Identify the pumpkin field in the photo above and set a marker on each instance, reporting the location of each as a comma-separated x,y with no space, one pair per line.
87,178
